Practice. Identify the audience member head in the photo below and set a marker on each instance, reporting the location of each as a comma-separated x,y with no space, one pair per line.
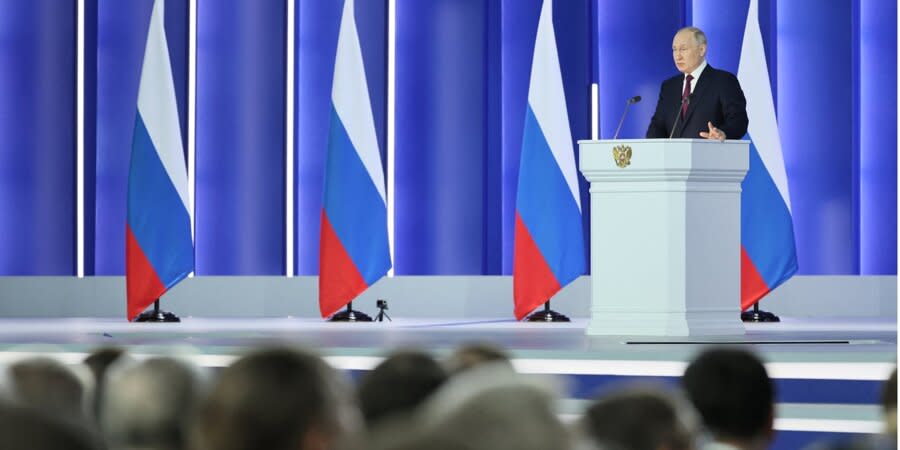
48,386
471,355
889,404
149,405
639,419
273,399
98,362
398,385
31,429
734,395
491,407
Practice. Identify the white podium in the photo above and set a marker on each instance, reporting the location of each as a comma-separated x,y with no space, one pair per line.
665,236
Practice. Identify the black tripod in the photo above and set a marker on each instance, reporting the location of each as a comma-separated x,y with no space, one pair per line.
382,308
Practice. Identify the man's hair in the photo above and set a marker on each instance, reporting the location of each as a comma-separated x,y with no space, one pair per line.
47,385
149,405
732,392
639,419
24,427
269,399
398,385
98,362
699,35
471,355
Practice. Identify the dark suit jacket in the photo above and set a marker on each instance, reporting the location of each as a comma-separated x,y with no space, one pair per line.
717,98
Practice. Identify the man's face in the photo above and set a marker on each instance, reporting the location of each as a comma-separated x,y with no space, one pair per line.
686,53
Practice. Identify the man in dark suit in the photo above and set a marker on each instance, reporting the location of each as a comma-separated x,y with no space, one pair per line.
700,102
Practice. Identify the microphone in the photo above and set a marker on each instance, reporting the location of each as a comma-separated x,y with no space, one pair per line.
684,101
630,101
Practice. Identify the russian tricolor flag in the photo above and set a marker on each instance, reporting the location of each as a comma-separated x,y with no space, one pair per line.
549,242
353,246
768,251
159,248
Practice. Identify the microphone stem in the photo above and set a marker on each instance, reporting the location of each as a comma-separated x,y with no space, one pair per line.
622,120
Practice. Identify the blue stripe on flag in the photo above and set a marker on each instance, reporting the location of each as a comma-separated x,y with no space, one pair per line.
158,219
767,232
547,207
354,206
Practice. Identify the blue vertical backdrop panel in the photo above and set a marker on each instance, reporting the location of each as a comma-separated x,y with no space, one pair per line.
37,137
816,122
121,38
441,136
240,137
572,26
634,56
318,23
878,137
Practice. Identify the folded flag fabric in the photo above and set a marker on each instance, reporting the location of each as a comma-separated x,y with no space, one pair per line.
159,248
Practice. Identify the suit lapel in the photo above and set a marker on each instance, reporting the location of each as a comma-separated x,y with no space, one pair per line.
699,90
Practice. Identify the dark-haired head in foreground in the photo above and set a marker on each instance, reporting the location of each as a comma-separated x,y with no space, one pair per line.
639,419
398,385
273,399
472,355
734,395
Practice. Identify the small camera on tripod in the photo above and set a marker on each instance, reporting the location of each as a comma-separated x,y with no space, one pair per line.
382,306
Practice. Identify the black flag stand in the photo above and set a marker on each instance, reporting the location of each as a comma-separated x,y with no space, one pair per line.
758,315
547,315
157,316
350,315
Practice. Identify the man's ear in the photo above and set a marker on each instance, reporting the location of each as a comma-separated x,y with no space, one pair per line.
703,50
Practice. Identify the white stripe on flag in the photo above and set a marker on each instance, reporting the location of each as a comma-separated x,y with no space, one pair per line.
753,74
548,100
156,104
350,95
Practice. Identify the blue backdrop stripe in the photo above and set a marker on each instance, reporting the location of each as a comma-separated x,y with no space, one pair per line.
240,137
37,138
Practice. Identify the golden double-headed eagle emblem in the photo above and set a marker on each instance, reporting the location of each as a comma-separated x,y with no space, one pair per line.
622,155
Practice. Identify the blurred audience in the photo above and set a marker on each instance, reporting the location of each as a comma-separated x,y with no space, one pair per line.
639,419
471,355
98,362
48,386
398,385
274,399
280,398
25,428
735,398
148,405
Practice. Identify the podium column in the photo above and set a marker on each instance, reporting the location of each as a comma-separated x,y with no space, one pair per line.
665,236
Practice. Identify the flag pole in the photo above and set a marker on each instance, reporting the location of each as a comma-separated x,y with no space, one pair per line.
547,315
156,315
758,315
350,315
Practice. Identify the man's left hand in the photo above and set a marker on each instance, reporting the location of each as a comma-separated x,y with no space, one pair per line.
713,133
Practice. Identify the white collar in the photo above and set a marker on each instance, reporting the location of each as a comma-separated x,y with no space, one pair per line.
696,73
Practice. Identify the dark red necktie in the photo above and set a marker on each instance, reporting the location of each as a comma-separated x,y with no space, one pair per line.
685,95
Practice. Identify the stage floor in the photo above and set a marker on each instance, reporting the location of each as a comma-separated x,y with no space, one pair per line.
828,372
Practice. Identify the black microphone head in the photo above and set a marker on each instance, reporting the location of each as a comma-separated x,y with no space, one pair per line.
634,99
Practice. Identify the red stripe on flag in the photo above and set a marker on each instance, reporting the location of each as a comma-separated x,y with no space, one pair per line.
339,279
753,287
533,281
144,285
